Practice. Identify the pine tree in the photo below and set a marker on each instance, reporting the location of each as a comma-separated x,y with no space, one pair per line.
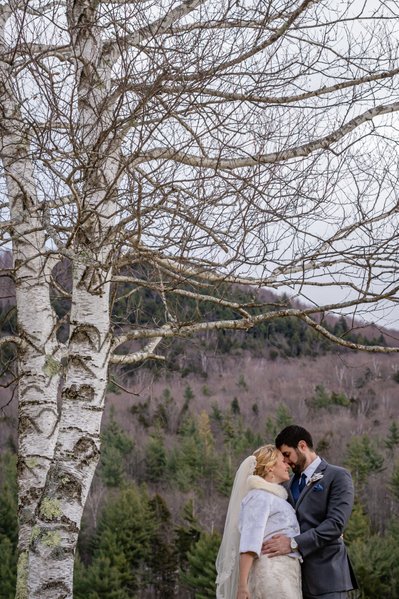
116,446
163,557
8,525
394,482
8,497
155,458
374,561
103,579
363,459
188,533
235,407
359,528
200,575
392,439
121,548
205,433
281,419
8,568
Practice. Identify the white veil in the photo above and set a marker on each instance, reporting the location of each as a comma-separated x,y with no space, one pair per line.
227,561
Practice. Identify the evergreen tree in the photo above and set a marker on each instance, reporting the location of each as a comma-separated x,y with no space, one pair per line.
281,419
116,446
188,394
161,417
122,548
205,434
163,557
8,525
155,458
319,400
393,541
200,575
225,475
359,526
8,568
392,439
363,459
235,407
103,579
394,482
194,460
187,534
375,563
8,497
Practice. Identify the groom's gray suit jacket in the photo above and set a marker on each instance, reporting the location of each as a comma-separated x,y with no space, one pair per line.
323,510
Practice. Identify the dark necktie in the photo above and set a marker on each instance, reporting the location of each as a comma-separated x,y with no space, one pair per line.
297,486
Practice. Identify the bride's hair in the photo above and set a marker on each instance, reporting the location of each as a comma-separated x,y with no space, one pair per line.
266,458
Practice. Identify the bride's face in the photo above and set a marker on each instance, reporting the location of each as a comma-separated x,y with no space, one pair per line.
281,469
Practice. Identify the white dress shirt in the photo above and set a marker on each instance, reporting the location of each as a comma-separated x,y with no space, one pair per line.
311,469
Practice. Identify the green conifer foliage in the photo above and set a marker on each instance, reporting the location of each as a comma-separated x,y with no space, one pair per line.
235,407
392,439
188,533
375,563
104,579
281,419
363,459
121,548
163,558
322,399
155,458
394,482
358,528
116,446
200,574
8,568
8,525
194,458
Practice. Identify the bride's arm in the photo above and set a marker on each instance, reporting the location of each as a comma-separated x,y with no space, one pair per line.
246,560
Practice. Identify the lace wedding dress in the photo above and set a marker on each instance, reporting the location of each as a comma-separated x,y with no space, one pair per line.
275,578
257,510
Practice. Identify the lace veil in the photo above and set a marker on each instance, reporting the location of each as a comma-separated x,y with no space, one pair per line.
227,561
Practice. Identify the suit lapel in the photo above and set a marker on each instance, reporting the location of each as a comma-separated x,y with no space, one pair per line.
290,497
320,468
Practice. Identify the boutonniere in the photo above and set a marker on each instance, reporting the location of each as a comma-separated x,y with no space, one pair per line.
314,478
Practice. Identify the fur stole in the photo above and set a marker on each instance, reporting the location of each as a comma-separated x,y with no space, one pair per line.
257,482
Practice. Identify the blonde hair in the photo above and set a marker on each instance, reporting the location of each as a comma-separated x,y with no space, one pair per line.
266,458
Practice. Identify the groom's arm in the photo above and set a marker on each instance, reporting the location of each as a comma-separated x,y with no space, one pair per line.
338,511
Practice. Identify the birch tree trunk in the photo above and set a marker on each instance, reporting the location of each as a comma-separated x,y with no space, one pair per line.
76,455
39,366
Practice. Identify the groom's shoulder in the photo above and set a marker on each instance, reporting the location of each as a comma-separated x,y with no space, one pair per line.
334,470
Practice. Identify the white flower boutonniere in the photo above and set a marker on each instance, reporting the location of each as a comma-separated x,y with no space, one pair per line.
313,479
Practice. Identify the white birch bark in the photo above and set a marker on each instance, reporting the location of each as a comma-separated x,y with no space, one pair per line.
39,366
87,356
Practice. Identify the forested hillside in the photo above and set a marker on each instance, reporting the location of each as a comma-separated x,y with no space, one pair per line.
175,431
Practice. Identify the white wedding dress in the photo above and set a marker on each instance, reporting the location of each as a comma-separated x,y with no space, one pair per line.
264,513
257,511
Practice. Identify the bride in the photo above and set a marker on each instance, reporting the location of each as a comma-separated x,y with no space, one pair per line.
258,509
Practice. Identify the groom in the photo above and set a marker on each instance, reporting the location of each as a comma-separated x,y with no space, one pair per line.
322,496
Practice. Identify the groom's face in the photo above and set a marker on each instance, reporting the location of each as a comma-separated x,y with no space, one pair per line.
294,457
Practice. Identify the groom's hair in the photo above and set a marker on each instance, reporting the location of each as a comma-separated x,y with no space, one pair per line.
291,435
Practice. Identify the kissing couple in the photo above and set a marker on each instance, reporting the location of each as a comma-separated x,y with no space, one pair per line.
283,535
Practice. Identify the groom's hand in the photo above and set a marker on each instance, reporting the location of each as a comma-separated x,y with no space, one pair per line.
277,545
